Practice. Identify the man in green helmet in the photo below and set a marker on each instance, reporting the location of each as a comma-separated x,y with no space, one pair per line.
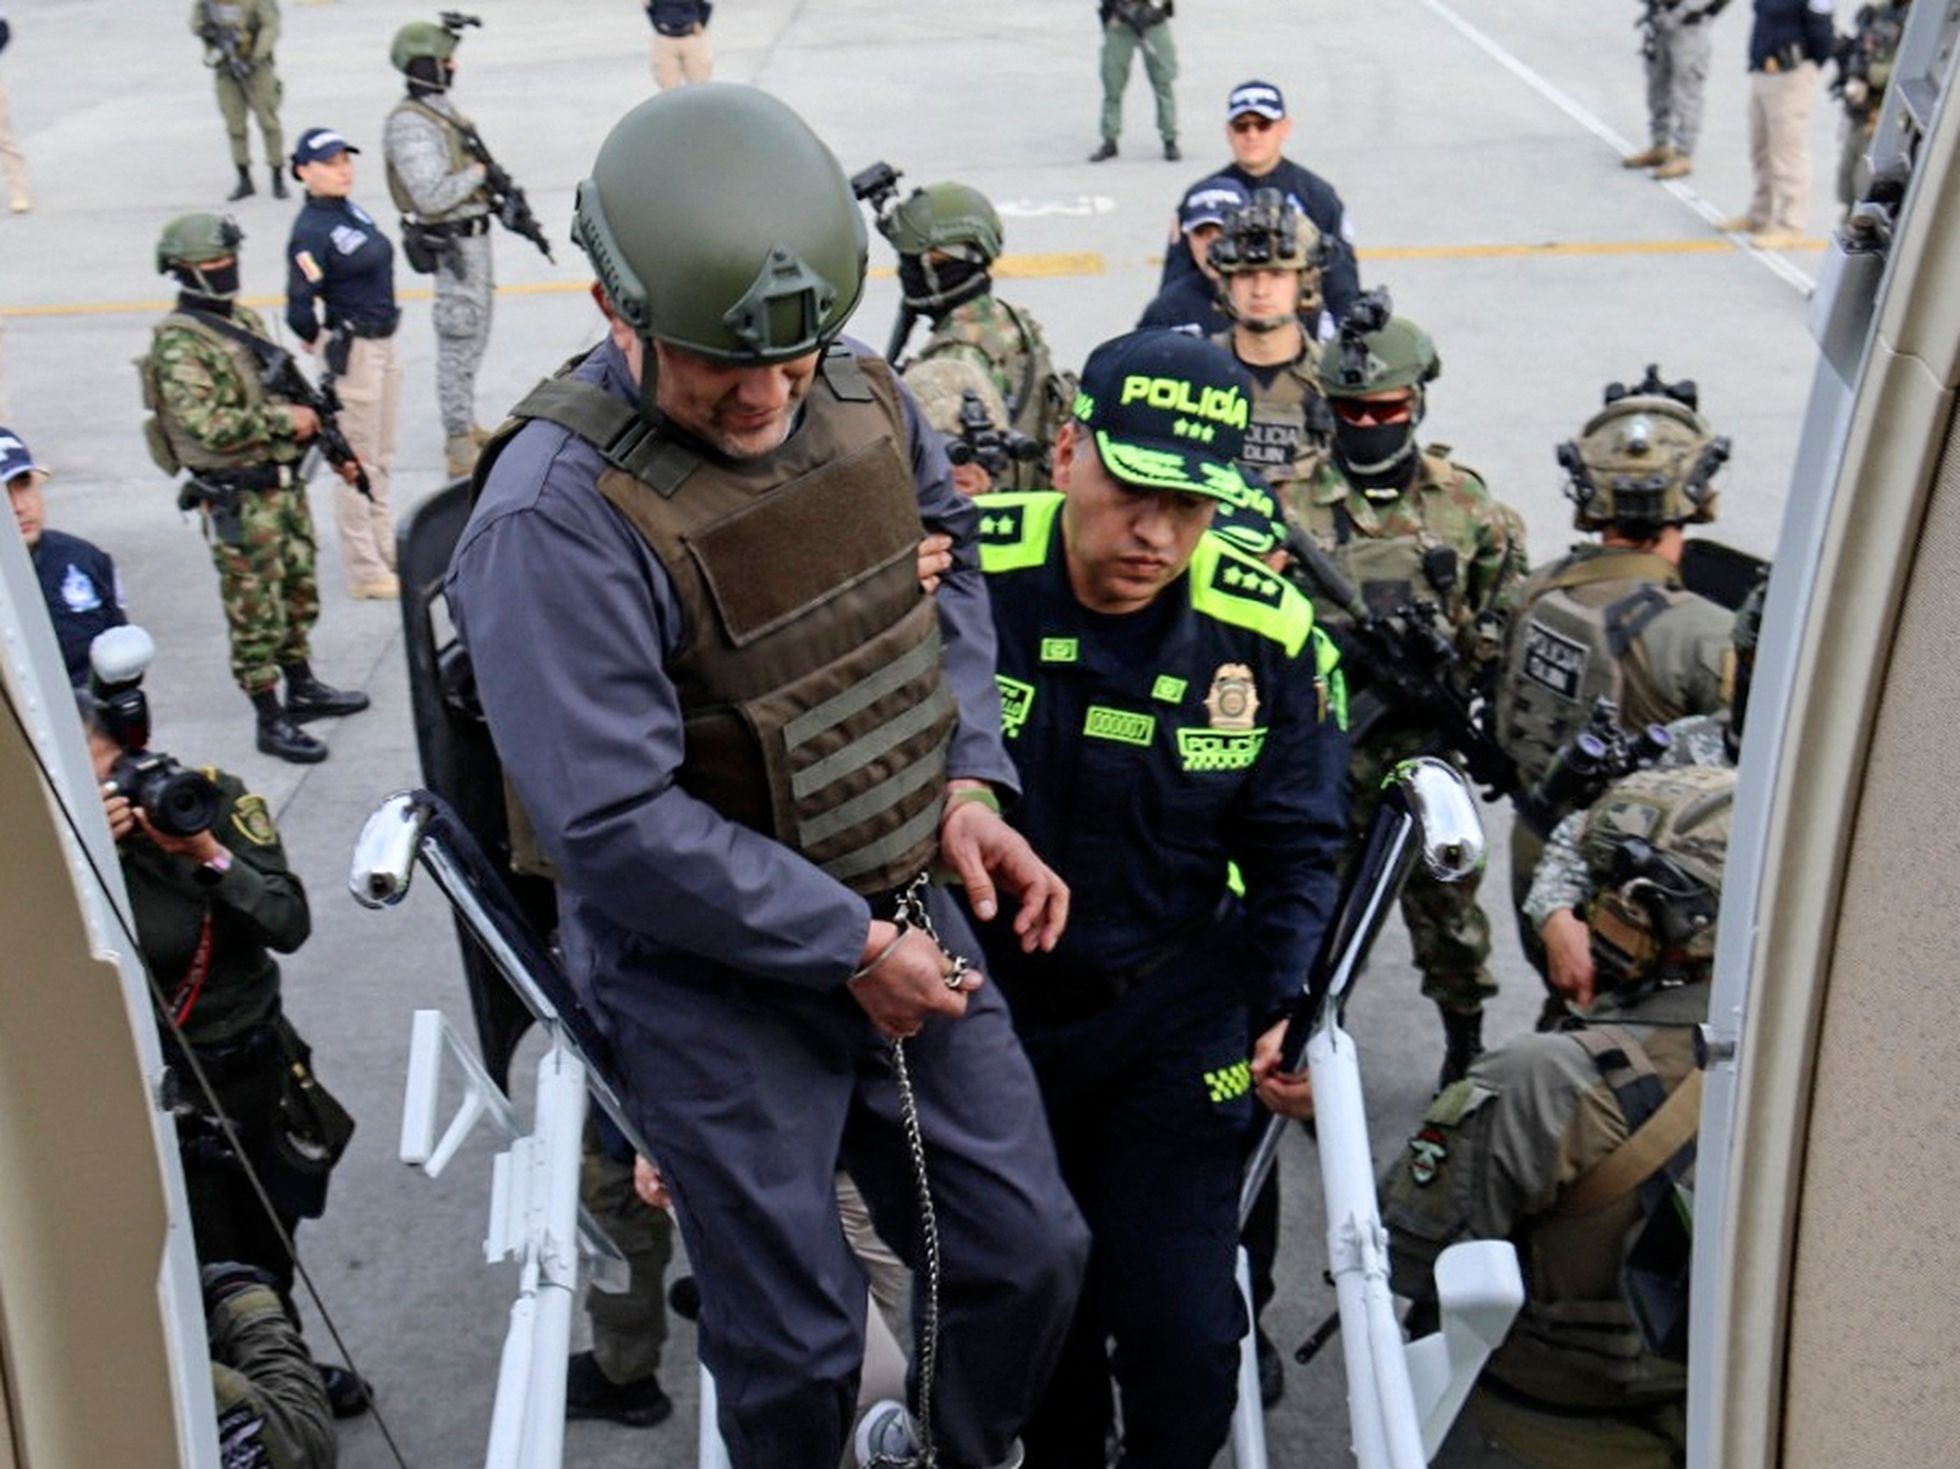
238,37
742,731
441,188
948,235
1612,619
1409,528
241,445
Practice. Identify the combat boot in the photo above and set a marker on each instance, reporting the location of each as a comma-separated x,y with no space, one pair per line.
308,698
459,453
243,189
1646,157
589,1393
1172,153
279,736
1463,1042
348,1393
278,182
1678,165
1104,153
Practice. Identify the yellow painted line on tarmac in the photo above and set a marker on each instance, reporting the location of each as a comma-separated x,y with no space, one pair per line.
1063,264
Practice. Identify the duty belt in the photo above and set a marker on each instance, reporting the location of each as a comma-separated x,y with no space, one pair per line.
380,327
258,477
456,229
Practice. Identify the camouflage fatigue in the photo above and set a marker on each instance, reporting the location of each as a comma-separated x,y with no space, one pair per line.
207,397
1677,76
267,582
629,1328
257,27
272,1406
941,384
1007,344
1447,505
1562,879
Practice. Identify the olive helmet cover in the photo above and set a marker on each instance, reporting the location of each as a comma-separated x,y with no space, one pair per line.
945,216
1646,460
196,239
1378,352
420,40
1655,845
718,222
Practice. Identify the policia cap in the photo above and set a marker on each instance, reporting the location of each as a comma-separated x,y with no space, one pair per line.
1167,412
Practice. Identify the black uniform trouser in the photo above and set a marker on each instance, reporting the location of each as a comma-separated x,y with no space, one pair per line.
1150,1103
751,1093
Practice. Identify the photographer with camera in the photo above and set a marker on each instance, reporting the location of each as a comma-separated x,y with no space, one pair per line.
212,901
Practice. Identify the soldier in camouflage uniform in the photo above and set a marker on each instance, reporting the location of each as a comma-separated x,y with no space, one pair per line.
1562,886
1676,47
439,186
1575,1145
1612,619
1406,523
239,35
947,235
214,417
1269,259
941,385
272,1406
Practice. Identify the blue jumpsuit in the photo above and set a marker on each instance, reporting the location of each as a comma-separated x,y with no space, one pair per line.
1153,749
716,958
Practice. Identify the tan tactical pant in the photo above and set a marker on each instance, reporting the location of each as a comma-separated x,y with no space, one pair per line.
260,97
678,60
13,162
1779,147
370,397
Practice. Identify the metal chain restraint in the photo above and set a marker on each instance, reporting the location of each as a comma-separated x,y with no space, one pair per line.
911,913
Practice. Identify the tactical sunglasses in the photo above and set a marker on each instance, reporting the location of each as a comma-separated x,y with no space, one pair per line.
1251,123
1362,411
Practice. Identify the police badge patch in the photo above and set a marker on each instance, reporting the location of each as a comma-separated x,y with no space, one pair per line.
1233,702
1428,1152
253,821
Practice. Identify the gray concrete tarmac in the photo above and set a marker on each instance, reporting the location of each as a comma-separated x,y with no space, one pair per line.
1469,138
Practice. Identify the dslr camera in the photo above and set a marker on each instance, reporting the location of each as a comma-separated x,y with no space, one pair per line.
178,802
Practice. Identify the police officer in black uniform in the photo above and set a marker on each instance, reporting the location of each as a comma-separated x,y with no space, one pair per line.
339,261
1169,709
78,580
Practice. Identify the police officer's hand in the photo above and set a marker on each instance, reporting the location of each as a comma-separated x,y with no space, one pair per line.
122,815
648,1183
902,986
1568,956
987,853
935,560
1289,1096
305,422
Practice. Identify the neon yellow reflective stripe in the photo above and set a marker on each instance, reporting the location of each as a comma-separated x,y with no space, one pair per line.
1060,650
1229,1083
1233,588
1016,528
1162,469
1119,725
1219,749
1016,699
1169,690
1235,879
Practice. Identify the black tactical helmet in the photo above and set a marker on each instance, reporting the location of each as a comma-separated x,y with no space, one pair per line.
718,222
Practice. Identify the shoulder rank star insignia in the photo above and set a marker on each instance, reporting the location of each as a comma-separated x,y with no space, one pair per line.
1234,700
1427,1154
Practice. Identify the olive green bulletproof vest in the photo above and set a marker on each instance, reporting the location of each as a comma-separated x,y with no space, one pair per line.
1577,636
1286,436
191,453
459,159
1389,571
816,710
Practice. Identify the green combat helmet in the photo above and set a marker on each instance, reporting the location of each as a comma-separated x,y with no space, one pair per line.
1378,352
719,223
1270,234
1644,461
1655,845
946,235
421,40
193,240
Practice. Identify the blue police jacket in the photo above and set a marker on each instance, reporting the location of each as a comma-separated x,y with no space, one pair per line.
1158,748
339,256
1787,28
83,593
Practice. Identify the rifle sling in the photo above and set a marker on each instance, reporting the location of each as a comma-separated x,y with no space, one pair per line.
1663,1141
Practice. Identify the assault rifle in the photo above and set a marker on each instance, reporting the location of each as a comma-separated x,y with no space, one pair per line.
281,375
224,38
1407,665
507,201
1139,15
980,442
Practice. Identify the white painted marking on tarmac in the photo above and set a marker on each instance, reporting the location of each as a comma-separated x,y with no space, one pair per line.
1775,264
1079,206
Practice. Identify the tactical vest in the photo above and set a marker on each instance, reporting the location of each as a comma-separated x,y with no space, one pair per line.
1391,571
453,129
1287,435
1577,637
1039,398
815,707
1578,1343
171,447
